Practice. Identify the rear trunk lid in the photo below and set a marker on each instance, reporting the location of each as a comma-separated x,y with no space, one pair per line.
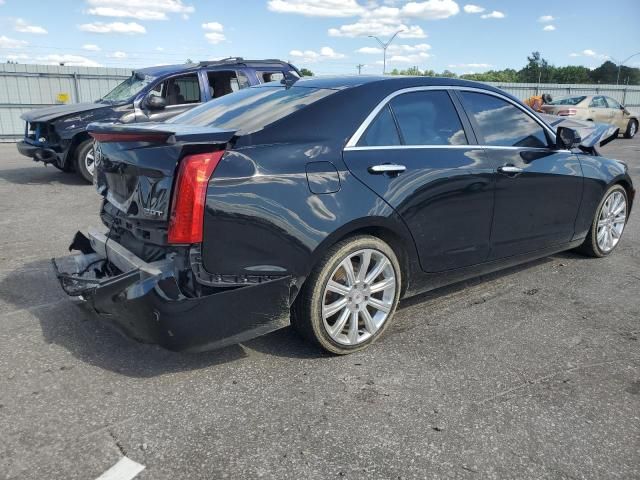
135,167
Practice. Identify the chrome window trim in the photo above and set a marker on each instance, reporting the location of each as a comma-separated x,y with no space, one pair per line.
355,138
445,147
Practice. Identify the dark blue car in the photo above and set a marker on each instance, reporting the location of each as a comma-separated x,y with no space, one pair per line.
58,135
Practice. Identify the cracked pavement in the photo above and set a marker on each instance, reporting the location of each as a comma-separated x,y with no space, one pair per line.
533,372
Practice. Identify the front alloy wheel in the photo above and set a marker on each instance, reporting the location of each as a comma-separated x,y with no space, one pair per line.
349,298
608,223
85,160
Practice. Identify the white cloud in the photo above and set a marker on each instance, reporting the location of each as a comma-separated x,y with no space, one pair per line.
430,10
364,29
6,42
473,9
214,32
23,27
395,49
494,14
386,20
90,47
311,56
317,8
117,55
549,28
70,60
546,18
160,49
590,54
470,65
131,28
138,9
17,56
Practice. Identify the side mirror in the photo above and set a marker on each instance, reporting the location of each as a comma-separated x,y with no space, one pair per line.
567,138
154,102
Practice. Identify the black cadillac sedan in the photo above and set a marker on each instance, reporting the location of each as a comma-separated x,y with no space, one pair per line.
322,203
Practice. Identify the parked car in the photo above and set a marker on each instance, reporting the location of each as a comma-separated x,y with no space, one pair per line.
324,202
595,108
58,135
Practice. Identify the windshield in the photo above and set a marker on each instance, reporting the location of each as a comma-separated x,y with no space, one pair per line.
129,88
567,101
251,109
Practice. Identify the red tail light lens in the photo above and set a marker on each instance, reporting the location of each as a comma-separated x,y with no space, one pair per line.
111,137
189,197
568,112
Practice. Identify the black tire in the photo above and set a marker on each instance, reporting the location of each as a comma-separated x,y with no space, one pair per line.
632,129
306,313
81,152
590,246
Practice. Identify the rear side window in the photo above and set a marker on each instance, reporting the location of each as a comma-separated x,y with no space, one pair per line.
428,118
568,101
381,132
503,124
252,109
266,77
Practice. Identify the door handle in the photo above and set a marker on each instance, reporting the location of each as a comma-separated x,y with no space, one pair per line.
509,170
387,168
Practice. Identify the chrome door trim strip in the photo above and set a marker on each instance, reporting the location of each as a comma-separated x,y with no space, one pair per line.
446,147
355,138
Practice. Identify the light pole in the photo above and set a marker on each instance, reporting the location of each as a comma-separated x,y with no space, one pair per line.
384,49
622,63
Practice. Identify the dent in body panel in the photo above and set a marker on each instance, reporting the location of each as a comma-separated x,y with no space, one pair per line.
260,210
599,173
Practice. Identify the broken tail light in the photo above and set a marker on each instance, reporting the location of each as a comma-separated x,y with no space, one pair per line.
189,197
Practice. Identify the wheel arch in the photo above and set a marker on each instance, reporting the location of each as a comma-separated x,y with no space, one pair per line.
628,187
392,231
77,140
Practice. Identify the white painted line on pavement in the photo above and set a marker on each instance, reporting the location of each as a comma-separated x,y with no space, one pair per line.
125,469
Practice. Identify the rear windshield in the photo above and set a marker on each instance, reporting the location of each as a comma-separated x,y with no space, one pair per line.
567,101
251,109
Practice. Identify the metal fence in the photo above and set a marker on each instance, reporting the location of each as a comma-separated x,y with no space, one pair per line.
628,95
27,87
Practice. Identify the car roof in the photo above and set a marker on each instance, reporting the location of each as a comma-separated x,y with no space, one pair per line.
395,81
161,70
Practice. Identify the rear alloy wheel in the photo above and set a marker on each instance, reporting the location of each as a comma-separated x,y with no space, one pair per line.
608,224
632,129
85,160
350,297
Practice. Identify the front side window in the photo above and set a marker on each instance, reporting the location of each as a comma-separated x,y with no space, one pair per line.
502,124
598,102
178,90
428,118
612,103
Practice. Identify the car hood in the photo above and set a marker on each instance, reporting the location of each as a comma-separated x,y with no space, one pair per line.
58,111
592,134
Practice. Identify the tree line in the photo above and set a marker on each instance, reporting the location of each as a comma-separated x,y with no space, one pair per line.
540,70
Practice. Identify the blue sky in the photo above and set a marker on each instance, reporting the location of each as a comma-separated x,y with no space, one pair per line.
327,36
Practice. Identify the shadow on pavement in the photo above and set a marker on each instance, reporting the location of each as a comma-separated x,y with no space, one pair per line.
41,175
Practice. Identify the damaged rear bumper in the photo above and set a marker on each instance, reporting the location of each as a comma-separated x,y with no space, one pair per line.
144,302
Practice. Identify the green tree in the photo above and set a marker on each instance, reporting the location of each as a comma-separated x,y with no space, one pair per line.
305,72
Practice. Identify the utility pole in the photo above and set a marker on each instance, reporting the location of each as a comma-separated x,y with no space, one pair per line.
359,67
384,49
622,63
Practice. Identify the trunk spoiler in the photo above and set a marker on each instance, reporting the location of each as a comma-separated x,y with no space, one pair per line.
161,132
593,134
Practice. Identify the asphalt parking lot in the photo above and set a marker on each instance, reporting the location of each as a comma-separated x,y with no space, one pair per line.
530,373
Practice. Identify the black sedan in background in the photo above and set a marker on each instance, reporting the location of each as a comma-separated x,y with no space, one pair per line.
322,203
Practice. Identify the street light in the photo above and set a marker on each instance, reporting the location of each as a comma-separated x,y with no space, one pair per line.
622,63
384,49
